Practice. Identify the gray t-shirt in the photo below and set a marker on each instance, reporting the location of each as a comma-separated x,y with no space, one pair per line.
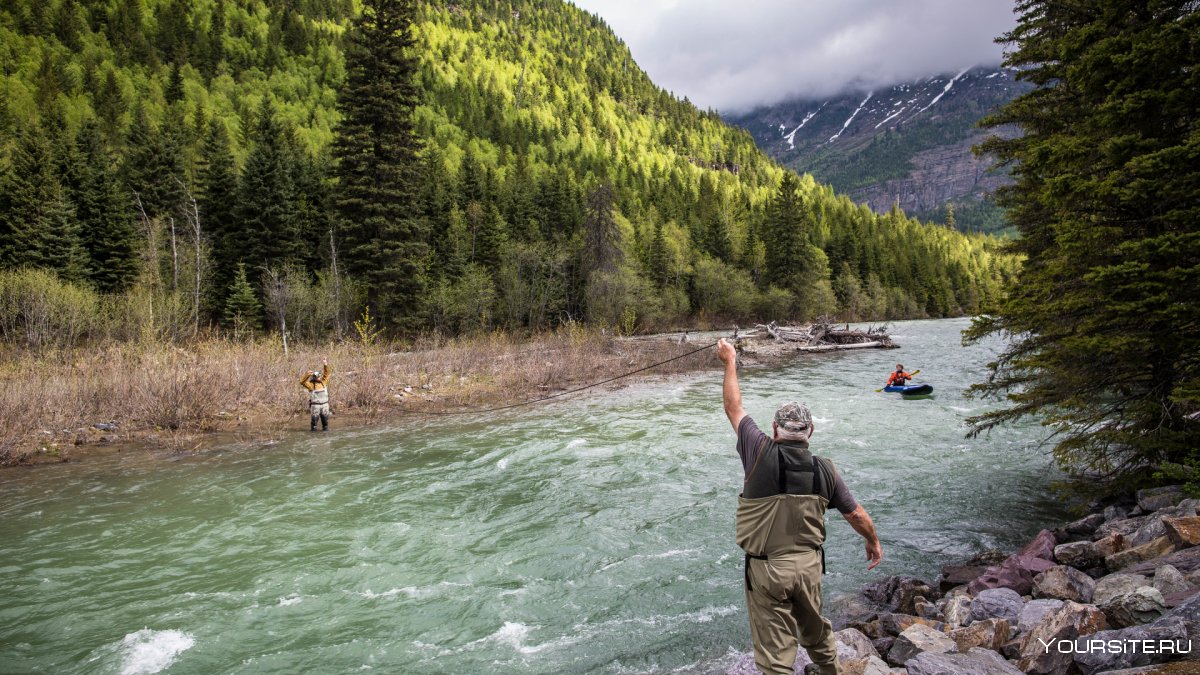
752,441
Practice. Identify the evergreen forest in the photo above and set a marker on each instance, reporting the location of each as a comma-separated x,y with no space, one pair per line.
184,167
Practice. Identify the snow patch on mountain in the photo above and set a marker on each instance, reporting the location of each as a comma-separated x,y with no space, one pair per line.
851,118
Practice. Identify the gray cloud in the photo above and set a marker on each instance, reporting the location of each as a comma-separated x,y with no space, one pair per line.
737,55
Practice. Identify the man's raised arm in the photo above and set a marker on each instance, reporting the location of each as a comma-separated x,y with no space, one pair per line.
731,393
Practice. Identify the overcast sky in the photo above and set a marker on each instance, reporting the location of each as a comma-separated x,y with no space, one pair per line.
736,54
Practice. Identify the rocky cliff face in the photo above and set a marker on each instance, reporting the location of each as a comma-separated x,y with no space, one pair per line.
909,144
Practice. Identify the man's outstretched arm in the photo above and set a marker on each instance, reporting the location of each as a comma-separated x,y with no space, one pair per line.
731,392
860,520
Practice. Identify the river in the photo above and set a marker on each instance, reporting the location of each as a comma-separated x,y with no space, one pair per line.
593,534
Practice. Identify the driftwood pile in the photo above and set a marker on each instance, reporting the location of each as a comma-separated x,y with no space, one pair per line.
823,336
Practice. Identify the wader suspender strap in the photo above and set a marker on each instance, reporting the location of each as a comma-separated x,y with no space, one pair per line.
816,490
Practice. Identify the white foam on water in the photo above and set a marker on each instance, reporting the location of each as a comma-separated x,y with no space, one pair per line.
152,651
502,464
514,634
576,442
290,600
961,410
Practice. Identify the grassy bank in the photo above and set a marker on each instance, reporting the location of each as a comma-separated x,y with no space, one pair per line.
183,397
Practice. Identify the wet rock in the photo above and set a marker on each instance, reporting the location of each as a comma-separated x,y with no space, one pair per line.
998,603
926,609
895,624
1016,573
1099,653
918,639
871,665
1143,605
956,610
1085,526
1154,499
1187,560
1078,554
975,662
1176,599
989,634
850,610
964,573
1183,532
856,644
1042,546
1115,512
1113,543
1064,583
1154,549
1170,581
1034,611
107,426
1068,622
1152,529
897,593
1113,585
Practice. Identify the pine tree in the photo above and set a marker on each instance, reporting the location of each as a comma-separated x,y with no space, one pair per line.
37,222
103,208
154,166
376,148
217,191
243,311
266,233
1103,312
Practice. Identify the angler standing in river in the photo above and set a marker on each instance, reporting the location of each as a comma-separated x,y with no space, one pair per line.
781,527
317,384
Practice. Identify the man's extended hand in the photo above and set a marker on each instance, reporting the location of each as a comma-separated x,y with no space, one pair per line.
874,554
325,361
726,352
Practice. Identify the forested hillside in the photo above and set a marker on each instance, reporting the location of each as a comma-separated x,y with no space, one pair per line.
171,162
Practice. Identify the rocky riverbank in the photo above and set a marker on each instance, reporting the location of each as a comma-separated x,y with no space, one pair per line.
1116,592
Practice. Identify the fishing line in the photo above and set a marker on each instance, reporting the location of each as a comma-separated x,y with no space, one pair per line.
561,393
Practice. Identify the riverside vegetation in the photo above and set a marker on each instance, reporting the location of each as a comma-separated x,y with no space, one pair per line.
179,181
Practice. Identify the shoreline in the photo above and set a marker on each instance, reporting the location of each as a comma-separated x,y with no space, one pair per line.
1086,597
176,400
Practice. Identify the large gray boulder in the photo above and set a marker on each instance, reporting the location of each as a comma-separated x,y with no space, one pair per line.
1064,583
997,603
852,644
1113,585
1143,605
1116,649
975,662
1154,499
1170,581
989,634
956,610
918,639
1034,611
1078,554
868,665
1068,622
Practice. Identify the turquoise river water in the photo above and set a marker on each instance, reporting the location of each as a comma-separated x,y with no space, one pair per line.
593,534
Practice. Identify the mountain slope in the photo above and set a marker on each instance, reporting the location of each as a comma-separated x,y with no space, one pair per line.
910,142
528,109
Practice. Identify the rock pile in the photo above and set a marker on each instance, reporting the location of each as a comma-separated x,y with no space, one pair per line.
1115,592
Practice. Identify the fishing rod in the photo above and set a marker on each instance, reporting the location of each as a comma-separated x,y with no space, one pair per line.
561,393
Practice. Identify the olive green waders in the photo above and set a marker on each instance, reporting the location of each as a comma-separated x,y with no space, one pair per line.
781,527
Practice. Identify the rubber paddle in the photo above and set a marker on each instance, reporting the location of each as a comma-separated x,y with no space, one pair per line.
913,373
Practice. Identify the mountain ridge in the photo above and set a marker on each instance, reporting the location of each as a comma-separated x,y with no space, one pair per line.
908,144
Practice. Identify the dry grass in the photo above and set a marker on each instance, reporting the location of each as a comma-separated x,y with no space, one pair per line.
171,396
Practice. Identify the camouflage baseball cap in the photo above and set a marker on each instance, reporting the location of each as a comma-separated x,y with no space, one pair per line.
793,417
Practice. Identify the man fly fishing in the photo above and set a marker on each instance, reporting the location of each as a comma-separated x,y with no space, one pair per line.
781,528
317,384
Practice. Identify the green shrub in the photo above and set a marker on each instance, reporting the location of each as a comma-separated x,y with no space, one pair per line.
40,311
